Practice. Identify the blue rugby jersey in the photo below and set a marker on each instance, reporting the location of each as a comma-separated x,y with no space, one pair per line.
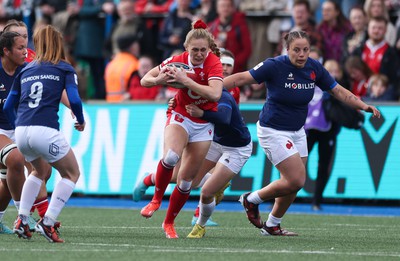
230,129
289,90
6,82
39,88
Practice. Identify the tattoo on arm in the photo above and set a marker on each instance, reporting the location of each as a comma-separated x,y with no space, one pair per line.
351,97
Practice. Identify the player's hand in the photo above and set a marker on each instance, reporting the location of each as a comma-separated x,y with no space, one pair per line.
372,109
171,104
79,127
176,75
162,77
194,111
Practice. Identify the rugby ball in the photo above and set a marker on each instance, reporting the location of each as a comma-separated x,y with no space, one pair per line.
181,66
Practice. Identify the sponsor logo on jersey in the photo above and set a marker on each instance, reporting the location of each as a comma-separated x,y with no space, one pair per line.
290,77
300,86
2,87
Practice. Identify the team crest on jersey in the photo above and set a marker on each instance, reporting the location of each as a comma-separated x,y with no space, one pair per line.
2,88
202,75
313,76
290,77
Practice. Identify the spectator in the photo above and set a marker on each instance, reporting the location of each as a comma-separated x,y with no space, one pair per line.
119,71
90,39
175,27
207,11
379,55
12,9
136,90
359,74
194,4
231,32
347,5
47,9
154,12
303,21
333,28
358,36
322,131
378,89
152,6
128,23
377,8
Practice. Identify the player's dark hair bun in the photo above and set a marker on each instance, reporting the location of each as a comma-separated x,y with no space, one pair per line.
199,24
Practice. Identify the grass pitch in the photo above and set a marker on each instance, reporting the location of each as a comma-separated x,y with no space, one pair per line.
122,234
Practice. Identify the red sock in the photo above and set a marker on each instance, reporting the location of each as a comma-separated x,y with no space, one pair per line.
41,205
176,202
197,212
148,180
163,177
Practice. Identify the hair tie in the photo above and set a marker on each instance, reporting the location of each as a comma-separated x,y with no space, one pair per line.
199,24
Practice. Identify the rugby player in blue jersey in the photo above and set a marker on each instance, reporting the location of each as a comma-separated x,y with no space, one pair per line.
37,91
11,159
290,81
12,53
229,151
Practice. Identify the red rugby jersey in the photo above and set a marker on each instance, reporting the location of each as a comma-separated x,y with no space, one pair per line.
211,69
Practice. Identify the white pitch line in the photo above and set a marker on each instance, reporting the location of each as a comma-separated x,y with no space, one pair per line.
169,249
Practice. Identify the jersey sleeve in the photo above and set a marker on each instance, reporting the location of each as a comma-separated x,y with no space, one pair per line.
11,103
223,114
71,86
262,71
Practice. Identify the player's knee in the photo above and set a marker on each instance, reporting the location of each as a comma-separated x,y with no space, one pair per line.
206,194
296,185
171,158
185,185
12,158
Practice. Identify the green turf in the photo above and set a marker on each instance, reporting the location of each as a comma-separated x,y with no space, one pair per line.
120,234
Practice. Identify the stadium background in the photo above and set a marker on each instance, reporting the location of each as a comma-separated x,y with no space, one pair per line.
122,142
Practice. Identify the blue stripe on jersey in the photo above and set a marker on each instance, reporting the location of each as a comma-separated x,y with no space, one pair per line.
289,90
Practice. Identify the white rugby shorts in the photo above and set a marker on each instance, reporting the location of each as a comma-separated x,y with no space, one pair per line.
196,131
280,145
233,158
41,141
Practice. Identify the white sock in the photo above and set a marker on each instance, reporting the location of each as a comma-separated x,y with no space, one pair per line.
29,193
203,180
273,221
62,192
1,215
16,204
255,198
48,221
206,211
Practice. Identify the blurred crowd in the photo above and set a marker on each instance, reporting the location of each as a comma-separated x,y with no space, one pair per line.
112,44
